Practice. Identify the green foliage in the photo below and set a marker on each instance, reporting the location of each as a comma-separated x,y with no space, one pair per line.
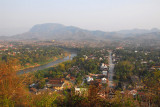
79,79
41,84
32,55
44,100
124,70
86,66
89,99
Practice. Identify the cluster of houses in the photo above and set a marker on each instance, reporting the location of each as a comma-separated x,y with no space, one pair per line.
70,77
134,90
137,87
53,84
155,67
103,76
4,47
58,84
100,79
77,44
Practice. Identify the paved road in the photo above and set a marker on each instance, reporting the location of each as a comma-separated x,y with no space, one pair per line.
111,72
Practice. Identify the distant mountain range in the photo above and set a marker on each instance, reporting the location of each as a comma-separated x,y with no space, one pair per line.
138,31
49,31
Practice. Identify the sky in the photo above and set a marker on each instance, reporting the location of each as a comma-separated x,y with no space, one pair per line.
18,16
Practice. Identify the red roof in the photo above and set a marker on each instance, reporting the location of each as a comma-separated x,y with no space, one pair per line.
55,81
72,78
141,93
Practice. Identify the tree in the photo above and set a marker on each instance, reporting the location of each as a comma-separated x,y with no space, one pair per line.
124,70
62,67
41,84
12,91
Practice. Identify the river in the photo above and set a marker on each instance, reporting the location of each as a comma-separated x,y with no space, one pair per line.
73,54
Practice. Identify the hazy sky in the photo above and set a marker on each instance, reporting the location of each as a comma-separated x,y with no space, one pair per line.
17,16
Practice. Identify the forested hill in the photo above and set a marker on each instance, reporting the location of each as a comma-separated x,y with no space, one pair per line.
49,31
59,32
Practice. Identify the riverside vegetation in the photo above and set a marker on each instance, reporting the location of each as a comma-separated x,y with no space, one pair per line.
14,89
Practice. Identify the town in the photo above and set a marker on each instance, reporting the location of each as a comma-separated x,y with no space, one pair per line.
101,72
103,68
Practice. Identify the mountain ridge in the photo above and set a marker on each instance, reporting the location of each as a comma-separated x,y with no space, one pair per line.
48,31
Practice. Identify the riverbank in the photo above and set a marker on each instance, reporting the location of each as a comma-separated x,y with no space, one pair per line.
45,62
69,56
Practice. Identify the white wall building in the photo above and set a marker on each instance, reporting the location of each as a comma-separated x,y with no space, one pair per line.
103,66
104,80
104,73
89,79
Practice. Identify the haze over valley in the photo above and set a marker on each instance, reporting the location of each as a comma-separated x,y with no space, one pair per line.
49,31
79,53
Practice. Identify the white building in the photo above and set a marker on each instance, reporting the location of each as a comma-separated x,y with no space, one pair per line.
86,57
104,80
81,91
103,66
89,79
104,73
100,58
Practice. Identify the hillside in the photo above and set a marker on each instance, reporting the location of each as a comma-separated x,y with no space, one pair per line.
59,32
49,31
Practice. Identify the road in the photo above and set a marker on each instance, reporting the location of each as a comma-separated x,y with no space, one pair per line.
111,71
